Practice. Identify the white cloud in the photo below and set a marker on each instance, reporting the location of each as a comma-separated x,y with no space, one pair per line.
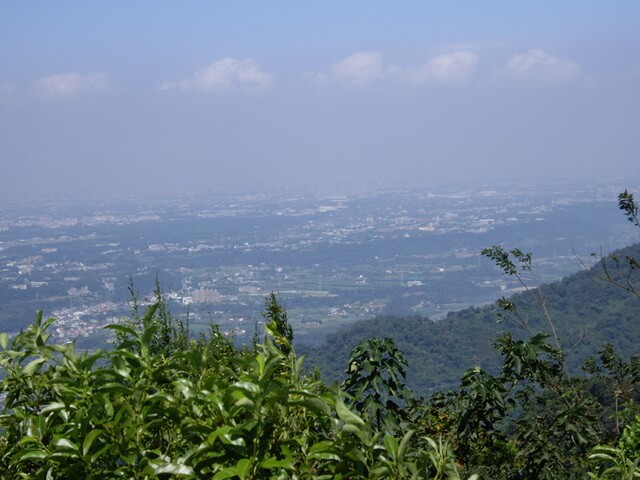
358,69
444,70
537,66
362,69
225,75
69,85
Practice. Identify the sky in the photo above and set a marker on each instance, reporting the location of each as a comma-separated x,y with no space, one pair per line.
120,97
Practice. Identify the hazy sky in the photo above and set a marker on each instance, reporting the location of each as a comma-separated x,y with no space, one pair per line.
174,95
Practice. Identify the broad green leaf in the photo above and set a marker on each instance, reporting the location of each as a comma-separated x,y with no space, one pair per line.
404,442
272,462
175,469
346,415
98,454
64,454
64,443
229,472
236,440
391,444
324,450
325,456
380,472
242,468
89,439
33,365
148,334
184,386
248,386
351,428
52,407
244,402
4,340
602,456
312,403
299,365
150,312
122,329
32,455
107,405
357,455
115,388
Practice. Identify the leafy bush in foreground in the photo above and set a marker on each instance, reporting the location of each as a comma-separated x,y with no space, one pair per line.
213,411
138,412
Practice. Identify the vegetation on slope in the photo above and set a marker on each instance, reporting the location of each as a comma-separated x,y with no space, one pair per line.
587,309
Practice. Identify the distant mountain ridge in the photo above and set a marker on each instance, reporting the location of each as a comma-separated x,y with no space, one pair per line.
587,311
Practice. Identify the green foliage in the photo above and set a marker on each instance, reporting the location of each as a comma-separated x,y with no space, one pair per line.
277,325
615,384
502,258
629,206
529,421
136,412
518,264
170,335
621,461
375,381
623,271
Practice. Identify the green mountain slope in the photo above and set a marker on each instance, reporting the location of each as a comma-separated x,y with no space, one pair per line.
587,312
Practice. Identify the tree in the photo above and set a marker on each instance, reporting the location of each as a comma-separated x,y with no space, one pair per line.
277,325
376,371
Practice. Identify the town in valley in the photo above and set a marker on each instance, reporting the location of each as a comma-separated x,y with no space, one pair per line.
332,258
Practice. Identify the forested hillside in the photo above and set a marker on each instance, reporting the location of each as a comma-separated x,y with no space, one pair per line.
587,308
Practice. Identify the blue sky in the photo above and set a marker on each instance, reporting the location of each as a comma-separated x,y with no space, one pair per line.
122,96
